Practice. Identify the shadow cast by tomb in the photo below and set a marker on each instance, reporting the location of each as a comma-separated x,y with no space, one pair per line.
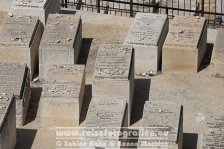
67,11
34,104
86,102
141,94
207,57
25,138
190,140
84,51
133,138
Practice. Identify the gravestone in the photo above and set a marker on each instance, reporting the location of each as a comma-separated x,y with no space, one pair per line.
147,35
7,121
15,79
213,133
62,95
114,73
105,114
38,8
218,53
185,45
165,120
21,41
61,41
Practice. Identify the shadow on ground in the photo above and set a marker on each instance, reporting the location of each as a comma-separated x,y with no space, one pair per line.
25,138
86,101
34,104
65,11
207,58
141,94
84,51
190,140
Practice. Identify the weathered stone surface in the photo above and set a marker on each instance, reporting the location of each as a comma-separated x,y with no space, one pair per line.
165,119
62,95
218,53
15,79
147,35
185,45
105,114
7,121
39,8
213,133
114,73
21,41
3,15
61,41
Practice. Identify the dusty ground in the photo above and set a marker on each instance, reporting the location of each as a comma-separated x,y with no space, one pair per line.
201,94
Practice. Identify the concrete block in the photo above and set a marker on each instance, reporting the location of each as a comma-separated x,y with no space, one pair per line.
165,119
185,45
61,41
39,9
15,79
7,121
114,73
21,41
218,54
147,35
62,95
106,114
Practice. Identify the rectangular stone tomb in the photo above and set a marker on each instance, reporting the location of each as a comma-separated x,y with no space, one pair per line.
61,41
105,114
62,95
218,54
147,35
21,41
15,79
114,73
40,8
164,119
185,45
7,121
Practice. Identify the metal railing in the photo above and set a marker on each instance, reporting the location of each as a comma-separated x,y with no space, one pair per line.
212,9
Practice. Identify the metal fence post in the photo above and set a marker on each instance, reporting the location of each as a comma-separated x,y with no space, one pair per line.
98,5
66,4
202,7
131,8
79,5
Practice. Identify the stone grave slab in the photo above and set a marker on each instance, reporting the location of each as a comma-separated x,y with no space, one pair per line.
185,45
62,95
21,41
38,8
213,133
165,120
61,41
105,114
7,121
114,73
15,79
147,35
218,53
